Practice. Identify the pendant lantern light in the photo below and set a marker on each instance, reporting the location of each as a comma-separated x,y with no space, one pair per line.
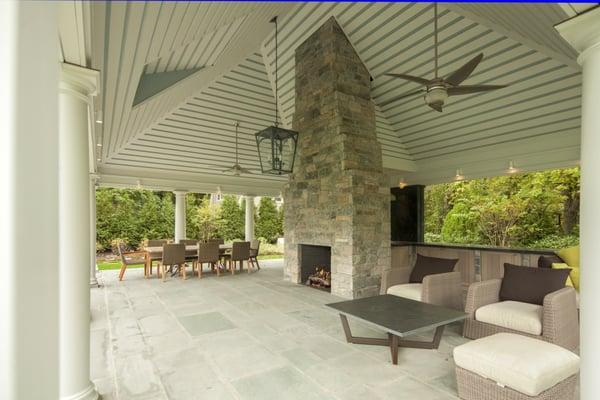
276,145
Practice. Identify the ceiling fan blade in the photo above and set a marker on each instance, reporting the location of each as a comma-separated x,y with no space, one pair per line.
472,89
417,79
385,103
436,106
463,72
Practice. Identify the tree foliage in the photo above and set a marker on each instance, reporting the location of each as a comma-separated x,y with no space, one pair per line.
269,221
231,219
538,209
135,215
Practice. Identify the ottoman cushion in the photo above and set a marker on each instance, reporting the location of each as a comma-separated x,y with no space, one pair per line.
529,366
413,291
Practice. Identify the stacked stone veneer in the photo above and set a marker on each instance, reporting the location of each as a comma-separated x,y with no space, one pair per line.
337,195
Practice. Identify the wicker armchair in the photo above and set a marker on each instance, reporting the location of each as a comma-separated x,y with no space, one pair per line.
560,320
440,289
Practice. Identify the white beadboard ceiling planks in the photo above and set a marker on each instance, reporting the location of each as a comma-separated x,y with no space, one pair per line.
187,127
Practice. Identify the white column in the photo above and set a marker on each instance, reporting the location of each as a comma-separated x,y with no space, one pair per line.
76,86
583,33
93,266
179,215
29,203
249,225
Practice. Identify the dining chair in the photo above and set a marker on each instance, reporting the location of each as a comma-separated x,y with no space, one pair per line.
207,253
254,249
190,255
129,258
173,255
151,257
240,252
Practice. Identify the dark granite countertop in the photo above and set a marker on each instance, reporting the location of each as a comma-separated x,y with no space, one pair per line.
475,247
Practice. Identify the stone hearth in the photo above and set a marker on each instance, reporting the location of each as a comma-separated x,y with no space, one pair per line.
337,195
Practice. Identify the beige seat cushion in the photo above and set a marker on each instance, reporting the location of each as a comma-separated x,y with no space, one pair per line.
413,291
527,365
522,317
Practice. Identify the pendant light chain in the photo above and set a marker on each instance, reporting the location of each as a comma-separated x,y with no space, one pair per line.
435,29
236,141
276,75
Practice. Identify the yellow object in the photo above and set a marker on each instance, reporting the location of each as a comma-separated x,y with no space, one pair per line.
571,256
569,281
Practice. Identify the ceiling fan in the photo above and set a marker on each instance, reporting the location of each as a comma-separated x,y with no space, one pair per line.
438,89
236,169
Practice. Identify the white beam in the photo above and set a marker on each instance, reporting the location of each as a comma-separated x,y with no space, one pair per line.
255,184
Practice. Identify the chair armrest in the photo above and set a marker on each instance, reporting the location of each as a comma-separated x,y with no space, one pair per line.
136,253
560,319
394,276
481,294
443,290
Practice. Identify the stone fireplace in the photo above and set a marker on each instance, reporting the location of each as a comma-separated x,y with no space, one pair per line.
337,196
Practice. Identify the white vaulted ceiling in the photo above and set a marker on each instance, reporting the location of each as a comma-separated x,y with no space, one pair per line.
187,129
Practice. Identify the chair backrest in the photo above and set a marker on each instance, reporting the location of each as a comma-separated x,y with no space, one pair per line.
173,254
240,251
208,252
216,240
254,247
122,250
189,242
156,242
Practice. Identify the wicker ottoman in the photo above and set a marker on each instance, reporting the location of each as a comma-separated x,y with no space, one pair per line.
507,366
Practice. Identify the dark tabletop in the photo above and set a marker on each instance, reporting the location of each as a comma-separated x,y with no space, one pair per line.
400,316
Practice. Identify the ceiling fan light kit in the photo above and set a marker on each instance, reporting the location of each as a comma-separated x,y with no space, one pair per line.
437,90
236,169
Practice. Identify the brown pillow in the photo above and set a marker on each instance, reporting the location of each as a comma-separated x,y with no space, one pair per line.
547,261
529,284
430,266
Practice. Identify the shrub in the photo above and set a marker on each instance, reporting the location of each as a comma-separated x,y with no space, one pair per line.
555,242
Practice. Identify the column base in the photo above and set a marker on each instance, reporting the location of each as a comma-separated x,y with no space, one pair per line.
94,282
89,393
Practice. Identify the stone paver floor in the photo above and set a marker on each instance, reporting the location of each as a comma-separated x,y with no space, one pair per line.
246,337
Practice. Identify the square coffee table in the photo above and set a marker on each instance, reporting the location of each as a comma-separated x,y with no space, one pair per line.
399,317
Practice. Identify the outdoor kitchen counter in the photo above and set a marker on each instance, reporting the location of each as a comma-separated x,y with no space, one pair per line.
476,247
475,262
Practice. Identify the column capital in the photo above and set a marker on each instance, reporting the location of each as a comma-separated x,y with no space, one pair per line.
582,32
180,192
79,81
94,178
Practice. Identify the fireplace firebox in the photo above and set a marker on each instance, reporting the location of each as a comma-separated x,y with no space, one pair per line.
315,266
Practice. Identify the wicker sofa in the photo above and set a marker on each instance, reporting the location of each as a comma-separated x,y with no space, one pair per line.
440,289
559,317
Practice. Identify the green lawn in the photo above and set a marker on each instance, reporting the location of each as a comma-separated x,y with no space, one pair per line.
107,265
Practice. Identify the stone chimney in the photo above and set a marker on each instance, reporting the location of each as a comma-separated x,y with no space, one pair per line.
337,195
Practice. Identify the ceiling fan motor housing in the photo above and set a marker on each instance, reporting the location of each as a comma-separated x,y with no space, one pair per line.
436,95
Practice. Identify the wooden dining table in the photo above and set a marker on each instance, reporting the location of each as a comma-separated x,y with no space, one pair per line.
154,253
